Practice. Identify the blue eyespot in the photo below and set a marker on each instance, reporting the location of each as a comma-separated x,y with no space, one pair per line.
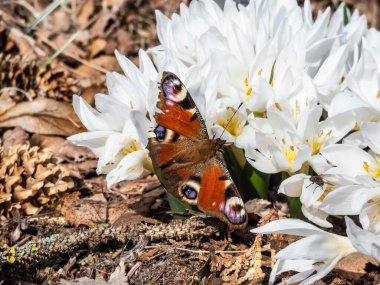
189,192
160,132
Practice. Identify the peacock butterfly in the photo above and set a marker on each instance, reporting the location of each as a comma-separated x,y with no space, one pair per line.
189,160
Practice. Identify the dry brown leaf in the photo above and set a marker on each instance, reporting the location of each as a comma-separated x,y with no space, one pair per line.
60,40
14,136
93,210
43,116
99,29
117,277
86,10
84,212
105,61
259,207
6,103
353,266
61,21
97,46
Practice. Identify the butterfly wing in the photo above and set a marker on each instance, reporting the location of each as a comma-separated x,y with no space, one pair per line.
178,110
173,149
219,197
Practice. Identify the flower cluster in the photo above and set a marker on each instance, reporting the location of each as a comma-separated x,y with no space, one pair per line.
310,91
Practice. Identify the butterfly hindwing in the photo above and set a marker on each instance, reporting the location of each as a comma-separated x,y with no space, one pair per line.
219,197
177,166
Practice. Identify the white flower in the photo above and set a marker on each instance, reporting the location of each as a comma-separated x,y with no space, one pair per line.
118,127
361,170
313,257
230,125
282,150
319,134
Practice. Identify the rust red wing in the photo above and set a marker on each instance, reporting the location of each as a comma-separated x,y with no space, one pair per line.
176,164
219,197
178,110
179,129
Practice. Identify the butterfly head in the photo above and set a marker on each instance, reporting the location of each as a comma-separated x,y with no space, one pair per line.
219,143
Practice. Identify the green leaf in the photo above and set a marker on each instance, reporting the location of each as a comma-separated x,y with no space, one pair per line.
258,180
345,14
177,205
295,208
250,182
235,161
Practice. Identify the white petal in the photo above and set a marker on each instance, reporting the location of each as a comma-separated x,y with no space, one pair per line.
364,241
129,168
259,161
292,186
93,140
90,118
246,138
322,271
316,216
371,134
142,125
316,247
290,227
341,201
348,158
338,126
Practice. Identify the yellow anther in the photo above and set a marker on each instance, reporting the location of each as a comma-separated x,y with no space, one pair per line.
278,106
131,147
372,169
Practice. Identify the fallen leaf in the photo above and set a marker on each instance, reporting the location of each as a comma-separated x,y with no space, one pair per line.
6,103
84,212
105,62
94,210
353,266
117,277
14,136
43,116
97,46
259,207
86,10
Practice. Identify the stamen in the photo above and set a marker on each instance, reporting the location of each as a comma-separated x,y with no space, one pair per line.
372,169
320,141
278,106
132,146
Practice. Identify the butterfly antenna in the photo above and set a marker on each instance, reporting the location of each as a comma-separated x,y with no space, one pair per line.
229,121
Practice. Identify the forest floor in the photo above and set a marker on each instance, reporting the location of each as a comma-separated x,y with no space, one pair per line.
59,224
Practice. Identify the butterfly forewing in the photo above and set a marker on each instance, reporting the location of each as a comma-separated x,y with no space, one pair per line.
178,110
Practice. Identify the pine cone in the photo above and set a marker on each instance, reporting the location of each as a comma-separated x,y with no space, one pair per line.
30,180
20,72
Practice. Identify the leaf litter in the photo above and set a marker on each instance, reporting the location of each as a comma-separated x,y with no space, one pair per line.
78,231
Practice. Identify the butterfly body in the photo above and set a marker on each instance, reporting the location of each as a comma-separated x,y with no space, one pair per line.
190,161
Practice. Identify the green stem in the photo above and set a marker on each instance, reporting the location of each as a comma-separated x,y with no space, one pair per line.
295,208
